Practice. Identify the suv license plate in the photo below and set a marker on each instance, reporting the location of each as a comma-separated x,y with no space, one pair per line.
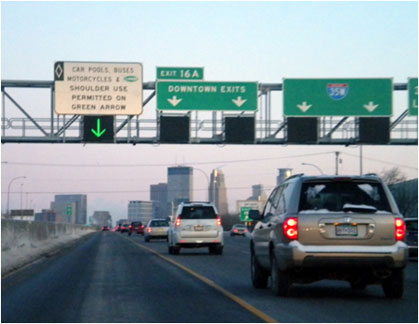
199,228
346,230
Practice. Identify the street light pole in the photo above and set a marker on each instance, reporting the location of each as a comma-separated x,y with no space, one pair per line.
8,192
315,166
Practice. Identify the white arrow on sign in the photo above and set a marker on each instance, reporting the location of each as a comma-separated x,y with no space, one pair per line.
239,101
174,101
370,107
304,107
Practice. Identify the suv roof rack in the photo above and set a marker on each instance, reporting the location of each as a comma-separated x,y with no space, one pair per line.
295,176
371,174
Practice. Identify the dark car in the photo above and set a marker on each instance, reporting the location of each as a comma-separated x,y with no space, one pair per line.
105,228
136,227
238,229
412,236
124,228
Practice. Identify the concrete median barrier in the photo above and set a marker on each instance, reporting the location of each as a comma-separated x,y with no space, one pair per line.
23,242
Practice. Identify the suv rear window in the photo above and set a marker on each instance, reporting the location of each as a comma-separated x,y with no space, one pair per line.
201,212
136,223
356,196
159,223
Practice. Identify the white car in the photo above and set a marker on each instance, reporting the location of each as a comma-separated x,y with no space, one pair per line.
156,229
196,225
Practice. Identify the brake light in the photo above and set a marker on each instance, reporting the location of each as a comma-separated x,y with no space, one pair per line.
291,228
178,221
218,221
400,230
130,227
149,230
235,230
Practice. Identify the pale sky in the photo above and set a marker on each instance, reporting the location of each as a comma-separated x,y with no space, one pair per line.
233,41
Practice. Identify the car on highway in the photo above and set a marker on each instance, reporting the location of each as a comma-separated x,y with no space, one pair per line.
412,236
329,227
238,229
117,228
196,225
124,228
105,228
156,229
136,227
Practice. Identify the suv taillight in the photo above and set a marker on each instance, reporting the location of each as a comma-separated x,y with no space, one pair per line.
291,228
400,230
178,221
130,227
218,221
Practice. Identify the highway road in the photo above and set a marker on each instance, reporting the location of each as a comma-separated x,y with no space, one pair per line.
111,277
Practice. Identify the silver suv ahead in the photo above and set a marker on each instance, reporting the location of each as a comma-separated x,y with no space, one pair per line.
196,225
329,227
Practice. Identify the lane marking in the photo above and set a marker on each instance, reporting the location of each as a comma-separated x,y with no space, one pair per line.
258,313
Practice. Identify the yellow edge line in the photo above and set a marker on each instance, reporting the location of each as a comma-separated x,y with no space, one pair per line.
266,318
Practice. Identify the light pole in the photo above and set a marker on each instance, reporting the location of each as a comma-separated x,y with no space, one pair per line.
315,166
8,191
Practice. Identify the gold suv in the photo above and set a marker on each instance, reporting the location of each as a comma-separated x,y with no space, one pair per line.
329,227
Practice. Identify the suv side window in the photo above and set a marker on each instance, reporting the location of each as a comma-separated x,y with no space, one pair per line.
272,204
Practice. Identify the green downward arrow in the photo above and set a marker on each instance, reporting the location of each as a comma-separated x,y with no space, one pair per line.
98,133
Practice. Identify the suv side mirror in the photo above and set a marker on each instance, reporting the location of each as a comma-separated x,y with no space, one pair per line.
255,215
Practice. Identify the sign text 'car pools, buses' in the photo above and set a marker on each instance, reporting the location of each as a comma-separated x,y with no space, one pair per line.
98,88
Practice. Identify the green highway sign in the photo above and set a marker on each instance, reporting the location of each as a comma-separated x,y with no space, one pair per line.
412,85
190,95
338,97
180,73
69,210
244,214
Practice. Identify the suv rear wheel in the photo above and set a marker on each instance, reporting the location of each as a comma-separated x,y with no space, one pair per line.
216,249
259,275
281,279
393,286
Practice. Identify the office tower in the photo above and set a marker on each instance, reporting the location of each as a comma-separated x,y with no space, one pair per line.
139,210
179,185
218,191
283,174
158,194
70,209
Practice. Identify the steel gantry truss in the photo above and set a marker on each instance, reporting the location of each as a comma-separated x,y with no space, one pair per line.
21,126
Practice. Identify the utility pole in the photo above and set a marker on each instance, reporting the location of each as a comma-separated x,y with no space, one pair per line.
337,162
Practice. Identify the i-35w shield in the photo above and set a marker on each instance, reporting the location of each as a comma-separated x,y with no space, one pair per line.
337,91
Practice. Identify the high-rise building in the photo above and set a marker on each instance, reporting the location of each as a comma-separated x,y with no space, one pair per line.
218,191
70,209
102,218
179,185
283,174
158,194
139,210
258,193
46,215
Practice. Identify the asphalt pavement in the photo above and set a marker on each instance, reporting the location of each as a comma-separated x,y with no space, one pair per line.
115,278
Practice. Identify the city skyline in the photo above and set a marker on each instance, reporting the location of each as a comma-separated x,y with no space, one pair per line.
266,42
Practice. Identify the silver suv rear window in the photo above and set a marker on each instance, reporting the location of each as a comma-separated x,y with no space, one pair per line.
356,196
199,212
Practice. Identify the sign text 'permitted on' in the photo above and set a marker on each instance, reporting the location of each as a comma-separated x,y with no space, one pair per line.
89,88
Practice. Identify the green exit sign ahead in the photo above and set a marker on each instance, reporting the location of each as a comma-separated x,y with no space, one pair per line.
180,73
338,97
